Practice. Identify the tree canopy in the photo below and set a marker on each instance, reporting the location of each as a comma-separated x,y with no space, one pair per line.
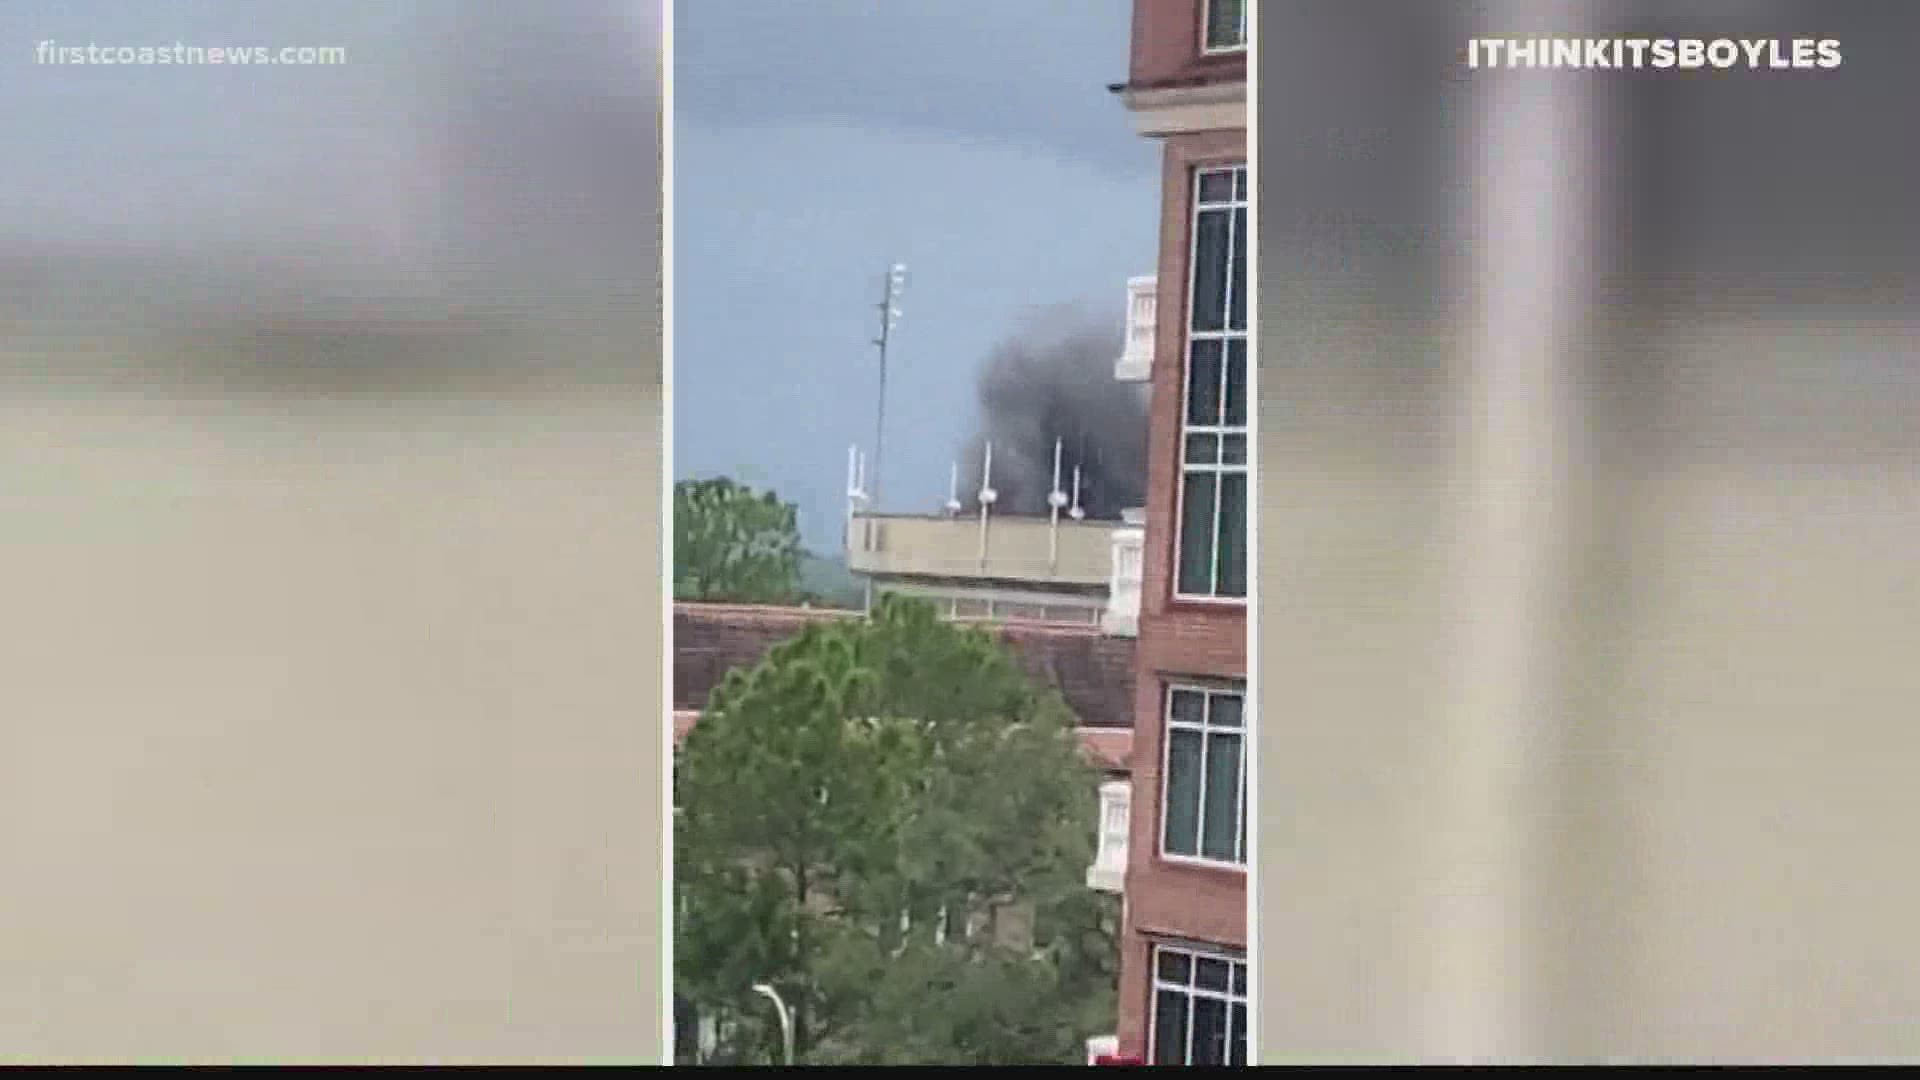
887,822
733,544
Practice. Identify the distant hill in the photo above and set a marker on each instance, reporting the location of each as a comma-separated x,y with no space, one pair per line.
827,581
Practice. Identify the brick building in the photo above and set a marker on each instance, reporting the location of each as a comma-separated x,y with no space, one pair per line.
1184,969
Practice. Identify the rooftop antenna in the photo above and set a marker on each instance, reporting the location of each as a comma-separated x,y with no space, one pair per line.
1056,499
988,497
856,475
855,494
1075,512
953,490
857,497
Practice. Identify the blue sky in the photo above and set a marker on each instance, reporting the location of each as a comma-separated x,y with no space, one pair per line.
817,142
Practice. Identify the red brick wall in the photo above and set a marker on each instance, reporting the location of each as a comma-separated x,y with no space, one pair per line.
1191,904
1182,637
1177,638
1166,47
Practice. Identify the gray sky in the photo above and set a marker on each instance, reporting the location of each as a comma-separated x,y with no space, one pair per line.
816,142
466,157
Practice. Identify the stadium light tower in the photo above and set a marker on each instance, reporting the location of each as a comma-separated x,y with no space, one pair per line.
896,285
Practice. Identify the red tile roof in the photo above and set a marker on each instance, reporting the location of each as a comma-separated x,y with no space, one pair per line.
1110,749
1092,671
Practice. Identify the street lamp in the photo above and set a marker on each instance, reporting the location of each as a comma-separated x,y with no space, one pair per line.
786,1018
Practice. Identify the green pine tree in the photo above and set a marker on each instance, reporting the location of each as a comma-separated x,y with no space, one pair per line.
889,823
732,544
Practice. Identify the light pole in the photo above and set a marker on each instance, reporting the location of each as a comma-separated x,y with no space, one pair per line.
786,1019
896,283
889,316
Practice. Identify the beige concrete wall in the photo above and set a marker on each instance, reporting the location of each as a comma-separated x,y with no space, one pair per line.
1589,464
1017,549
1710,810
330,576
327,733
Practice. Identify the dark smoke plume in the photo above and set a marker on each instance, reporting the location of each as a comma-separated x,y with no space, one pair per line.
1053,379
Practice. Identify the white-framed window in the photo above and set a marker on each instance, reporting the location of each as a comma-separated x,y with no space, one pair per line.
1014,609
1082,616
1225,28
1199,1007
1210,544
1143,301
1034,608
1203,785
1109,870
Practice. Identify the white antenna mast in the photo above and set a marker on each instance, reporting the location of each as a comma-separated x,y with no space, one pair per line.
1075,512
856,498
1055,500
856,491
953,490
987,498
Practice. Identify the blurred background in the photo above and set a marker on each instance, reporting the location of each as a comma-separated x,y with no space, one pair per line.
329,475
329,424
1590,480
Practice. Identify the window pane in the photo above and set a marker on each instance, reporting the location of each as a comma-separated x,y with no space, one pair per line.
1203,384
1187,706
1227,710
1233,451
1239,1049
1223,23
1233,534
1196,534
1210,973
1216,186
1236,393
1170,1028
1172,966
1183,792
1240,979
1237,316
1203,450
1210,268
1223,802
1240,185
1209,1031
